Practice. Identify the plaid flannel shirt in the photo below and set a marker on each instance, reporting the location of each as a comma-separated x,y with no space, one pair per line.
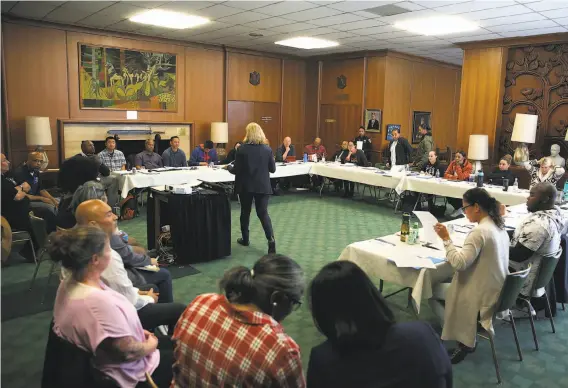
114,162
218,346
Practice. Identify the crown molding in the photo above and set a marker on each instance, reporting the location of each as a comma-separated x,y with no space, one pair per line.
561,37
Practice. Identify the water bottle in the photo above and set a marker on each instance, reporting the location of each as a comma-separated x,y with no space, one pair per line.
305,158
516,185
407,169
211,164
413,235
480,178
323,158
437,174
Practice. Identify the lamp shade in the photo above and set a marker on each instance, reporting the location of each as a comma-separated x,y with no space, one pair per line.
219,132
38,131
524,130
478,147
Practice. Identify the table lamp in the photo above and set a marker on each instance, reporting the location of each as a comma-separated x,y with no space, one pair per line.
220,135
524,131
38,134
478,150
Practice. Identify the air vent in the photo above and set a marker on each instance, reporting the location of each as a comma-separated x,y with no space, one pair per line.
255,35
387,10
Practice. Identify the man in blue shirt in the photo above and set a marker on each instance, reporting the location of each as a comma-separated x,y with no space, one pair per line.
204,154
174,156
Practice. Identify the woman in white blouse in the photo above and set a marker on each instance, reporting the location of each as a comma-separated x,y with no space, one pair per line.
481,267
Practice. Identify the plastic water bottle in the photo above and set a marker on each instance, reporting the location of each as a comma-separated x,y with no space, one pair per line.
323,158
516,185
305,158
413,235
407,169
437,174
480,178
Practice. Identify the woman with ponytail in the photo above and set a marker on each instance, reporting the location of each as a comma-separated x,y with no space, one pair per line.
236,339
481,267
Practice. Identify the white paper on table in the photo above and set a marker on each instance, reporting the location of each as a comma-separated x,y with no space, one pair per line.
359,145
428,221
413,262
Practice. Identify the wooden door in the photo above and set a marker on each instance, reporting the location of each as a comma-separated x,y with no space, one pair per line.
240,113
338,123
267,115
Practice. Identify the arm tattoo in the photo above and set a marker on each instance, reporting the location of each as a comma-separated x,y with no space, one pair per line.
123,349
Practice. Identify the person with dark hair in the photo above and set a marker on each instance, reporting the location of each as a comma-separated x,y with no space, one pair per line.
356,157
481,268
538,234
92,316
204,154
365,347
433,165
365,140
398,151
232,153
424,147
148,158
459,170
502,172
174,156
236,339
111,157
252,168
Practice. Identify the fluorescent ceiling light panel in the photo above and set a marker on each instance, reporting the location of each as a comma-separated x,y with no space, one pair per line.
437,25
307,43
168,19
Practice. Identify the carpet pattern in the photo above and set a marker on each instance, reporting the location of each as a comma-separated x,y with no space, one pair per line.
313,231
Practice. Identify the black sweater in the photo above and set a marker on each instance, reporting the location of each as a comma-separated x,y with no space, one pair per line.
496,177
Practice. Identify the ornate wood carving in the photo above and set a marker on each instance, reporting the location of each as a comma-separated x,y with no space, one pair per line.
536,82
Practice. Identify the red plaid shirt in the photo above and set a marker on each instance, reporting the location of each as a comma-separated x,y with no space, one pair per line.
219,346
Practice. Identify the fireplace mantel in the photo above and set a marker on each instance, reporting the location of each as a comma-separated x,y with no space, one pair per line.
73,132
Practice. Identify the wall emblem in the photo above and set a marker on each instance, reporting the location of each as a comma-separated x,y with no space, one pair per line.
254,78
341,81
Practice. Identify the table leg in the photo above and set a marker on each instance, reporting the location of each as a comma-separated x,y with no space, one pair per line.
381,284
157,220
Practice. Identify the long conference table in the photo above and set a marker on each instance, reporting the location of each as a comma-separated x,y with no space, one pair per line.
366,175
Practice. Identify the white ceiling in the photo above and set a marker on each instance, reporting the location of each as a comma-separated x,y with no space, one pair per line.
344,21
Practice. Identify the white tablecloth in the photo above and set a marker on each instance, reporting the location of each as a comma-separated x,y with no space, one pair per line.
350,172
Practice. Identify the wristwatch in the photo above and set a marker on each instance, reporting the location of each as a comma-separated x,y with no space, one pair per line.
447,243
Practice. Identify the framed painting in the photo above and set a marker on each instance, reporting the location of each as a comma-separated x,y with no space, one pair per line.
116,78
420,120
390,128
373,120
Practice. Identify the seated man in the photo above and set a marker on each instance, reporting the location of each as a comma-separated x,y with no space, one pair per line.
285,150
315,149
29,173
148,158
111,157
151,313
357,157
204,154
538,234
174,156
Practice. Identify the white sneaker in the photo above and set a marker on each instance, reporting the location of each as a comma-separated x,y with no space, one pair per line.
521,314
163,329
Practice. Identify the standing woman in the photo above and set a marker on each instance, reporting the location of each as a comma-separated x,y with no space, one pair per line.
481,268
253,164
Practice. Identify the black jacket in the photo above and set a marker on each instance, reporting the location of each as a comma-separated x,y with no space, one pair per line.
403,151
16,212
496,177
280,152
358,158
252,168
80,169
230,157
341,154
431,168
367,146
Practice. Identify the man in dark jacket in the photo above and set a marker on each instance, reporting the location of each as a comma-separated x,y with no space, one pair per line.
366,142
358,158
399,152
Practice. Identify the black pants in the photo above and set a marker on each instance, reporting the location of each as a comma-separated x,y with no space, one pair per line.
162,279
455,202
261,205
163,374
349,187
156,314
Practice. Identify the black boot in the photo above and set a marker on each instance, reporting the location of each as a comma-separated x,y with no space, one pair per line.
271,246
243,242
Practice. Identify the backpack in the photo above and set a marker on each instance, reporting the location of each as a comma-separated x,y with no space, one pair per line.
128,208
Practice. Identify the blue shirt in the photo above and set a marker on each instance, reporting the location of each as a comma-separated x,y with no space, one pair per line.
148,159
174,159
24,174
198,155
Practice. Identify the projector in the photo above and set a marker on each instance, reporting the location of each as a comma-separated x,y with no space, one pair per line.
180,189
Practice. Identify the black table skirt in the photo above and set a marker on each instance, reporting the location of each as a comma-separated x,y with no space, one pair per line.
200,225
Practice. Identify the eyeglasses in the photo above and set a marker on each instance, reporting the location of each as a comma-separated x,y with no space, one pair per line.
465,207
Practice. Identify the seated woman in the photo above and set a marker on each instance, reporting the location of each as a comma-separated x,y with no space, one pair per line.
97,319
433,165
544,170
502,172
481,267
232,153
365,347
459,170
236,340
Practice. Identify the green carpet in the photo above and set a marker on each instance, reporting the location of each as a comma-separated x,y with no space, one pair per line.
313,231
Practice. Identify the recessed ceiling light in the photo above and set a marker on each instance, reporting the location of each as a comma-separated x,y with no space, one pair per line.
168,19
307,43
437,25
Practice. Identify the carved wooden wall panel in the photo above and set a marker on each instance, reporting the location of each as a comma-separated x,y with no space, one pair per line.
536,82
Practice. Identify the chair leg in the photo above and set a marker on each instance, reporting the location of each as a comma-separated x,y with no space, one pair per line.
38,263
531,319
497,371
48,280
381,284
549,311
516,336
563,307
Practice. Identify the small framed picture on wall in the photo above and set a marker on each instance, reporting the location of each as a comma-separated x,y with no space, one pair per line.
373,120
421,120
390,128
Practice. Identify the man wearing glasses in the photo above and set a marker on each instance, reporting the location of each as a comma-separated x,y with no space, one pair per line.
29,173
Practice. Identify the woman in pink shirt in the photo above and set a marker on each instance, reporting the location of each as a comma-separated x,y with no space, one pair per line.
95,318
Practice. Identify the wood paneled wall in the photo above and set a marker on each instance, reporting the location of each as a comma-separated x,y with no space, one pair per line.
481,93
240,67
293,101
352,94
312,101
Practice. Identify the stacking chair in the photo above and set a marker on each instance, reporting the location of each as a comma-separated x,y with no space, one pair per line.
507,299
546,268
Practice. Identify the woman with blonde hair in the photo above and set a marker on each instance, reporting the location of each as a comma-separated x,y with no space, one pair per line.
253,164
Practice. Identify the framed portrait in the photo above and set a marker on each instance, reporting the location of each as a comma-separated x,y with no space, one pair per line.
373,120
420,120
390,128
123,79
